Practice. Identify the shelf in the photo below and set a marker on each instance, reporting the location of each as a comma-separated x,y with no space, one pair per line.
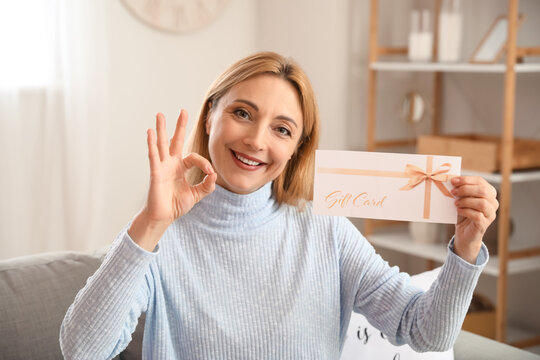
453,67
400,240
516,177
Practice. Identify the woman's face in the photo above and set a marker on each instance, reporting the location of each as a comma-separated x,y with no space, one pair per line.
253,132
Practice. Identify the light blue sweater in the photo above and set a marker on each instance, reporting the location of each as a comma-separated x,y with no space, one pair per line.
240,277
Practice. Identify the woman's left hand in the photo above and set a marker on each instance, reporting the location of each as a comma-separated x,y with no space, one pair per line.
476,206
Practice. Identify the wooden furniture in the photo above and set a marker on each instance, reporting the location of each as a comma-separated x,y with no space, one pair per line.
506,262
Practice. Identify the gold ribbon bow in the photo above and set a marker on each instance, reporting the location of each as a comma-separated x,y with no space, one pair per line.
417,176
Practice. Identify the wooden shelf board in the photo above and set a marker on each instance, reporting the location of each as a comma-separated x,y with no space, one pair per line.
516,177
400,240
451,67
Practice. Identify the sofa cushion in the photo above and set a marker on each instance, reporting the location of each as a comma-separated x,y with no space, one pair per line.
35,293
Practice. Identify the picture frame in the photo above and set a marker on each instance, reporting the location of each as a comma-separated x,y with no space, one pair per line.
493,44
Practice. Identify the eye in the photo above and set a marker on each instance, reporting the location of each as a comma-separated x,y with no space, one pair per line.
284,131
241,113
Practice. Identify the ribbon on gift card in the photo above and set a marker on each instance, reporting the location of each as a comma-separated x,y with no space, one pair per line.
415,174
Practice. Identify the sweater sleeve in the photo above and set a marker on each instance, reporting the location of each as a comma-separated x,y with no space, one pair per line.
427,321
104,314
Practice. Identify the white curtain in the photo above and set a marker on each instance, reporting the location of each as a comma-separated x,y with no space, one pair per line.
53,109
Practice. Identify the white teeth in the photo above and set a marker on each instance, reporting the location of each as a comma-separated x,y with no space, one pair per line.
246,161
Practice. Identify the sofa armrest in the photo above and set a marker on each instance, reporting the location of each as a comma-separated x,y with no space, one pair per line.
470,346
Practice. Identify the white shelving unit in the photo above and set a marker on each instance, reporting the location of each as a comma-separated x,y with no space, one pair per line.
509,261
455,68
399,240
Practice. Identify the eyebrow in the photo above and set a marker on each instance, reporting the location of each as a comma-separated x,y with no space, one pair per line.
282,117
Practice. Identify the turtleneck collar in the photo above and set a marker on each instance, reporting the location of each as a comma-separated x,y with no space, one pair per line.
224,209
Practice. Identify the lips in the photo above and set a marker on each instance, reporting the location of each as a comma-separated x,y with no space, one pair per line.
247,160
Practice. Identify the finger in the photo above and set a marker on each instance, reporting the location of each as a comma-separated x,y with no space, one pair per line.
469,180
466,180
177,142
194,159
485,191
153,155
476,216
477,190
477,204
205,187
162,142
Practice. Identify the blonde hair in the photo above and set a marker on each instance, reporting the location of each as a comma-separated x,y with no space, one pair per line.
295,184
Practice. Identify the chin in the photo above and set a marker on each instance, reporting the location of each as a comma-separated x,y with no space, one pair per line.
241,187
248,189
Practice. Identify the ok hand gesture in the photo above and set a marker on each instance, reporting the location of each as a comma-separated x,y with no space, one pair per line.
170,195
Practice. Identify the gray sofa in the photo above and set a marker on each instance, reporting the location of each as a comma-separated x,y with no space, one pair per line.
35,292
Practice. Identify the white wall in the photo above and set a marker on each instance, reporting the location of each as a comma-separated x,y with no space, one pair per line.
152,72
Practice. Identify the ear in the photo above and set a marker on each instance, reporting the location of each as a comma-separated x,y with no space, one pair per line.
207,120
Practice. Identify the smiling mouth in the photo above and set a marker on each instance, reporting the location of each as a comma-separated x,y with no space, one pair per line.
245,160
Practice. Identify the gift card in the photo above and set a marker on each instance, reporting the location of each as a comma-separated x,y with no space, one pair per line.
389,186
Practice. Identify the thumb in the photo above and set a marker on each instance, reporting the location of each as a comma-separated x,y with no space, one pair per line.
207,186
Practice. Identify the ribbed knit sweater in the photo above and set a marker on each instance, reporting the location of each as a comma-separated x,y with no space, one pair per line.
240,277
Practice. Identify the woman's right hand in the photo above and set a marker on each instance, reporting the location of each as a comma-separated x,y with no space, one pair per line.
170,195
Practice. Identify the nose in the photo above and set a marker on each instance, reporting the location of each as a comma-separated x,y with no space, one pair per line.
255,138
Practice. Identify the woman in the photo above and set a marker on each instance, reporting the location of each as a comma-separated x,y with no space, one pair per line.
238,266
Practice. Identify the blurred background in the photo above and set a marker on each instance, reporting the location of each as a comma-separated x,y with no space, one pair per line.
82,81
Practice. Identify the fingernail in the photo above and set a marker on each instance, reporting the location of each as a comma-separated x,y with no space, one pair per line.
455,181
